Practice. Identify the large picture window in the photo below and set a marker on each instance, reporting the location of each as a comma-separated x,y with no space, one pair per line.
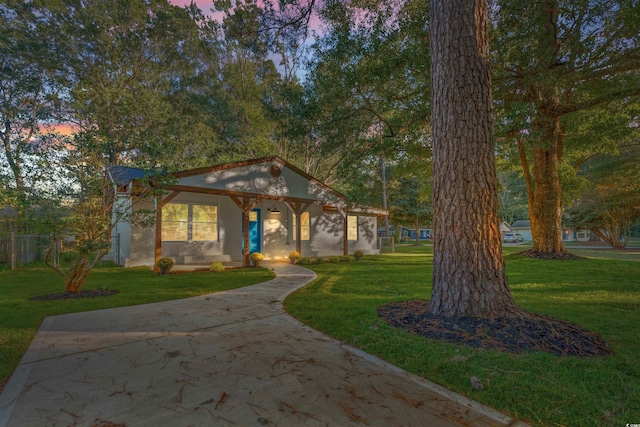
304,226
175,222
352,227
204,222
182,222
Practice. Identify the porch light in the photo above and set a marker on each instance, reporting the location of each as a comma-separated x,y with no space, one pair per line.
274,210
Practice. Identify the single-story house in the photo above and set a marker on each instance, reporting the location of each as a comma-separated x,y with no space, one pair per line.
225,212
505,228
408,234
382,232
523,227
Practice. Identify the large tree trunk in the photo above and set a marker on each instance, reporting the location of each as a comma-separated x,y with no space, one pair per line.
468,269
545,211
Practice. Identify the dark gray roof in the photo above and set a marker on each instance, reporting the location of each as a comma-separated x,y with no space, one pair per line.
122,175
521,223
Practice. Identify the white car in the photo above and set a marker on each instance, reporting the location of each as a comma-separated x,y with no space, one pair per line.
512,238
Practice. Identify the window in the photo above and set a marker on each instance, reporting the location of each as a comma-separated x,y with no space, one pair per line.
182,222
204,223
352,227
175,222
304,226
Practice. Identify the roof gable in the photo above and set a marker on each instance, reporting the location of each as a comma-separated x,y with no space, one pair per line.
271,175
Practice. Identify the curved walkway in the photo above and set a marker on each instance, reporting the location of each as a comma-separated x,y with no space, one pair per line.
232,358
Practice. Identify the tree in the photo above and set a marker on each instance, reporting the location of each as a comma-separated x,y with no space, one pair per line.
566,58
512,197
611,205
80,214
131,62
366,89
32,75
469,277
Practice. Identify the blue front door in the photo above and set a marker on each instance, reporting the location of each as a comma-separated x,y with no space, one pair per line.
254,231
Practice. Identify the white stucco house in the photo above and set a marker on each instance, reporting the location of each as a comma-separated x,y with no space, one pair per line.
204,213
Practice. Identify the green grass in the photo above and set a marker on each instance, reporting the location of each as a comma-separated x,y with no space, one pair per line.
21,318
598,294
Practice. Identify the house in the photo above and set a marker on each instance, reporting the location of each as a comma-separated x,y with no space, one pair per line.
523,227
264,205
409,234
505,228
382,232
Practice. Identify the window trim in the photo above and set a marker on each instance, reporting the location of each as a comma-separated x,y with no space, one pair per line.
305,224
352,228
190,222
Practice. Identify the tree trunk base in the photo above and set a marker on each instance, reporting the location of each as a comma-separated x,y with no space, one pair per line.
524,332
551,256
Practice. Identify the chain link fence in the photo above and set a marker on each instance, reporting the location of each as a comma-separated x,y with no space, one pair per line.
386,245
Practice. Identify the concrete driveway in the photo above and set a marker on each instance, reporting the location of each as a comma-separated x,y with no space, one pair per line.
233,358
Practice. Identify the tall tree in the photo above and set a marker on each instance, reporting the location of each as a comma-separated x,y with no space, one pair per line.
611,204
366,86
129,59
469,277
565,58
32,76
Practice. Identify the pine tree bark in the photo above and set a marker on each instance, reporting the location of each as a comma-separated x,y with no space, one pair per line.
468,274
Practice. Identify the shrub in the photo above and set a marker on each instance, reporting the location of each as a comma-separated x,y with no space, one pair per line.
319,260
68,257
334,259
304,261
165,264
294,257
347,258
358,255
216,267
256,258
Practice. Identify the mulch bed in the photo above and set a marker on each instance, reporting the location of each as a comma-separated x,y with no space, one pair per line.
89,293
536,333
551,256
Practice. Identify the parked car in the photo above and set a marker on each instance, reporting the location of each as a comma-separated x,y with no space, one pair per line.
512,238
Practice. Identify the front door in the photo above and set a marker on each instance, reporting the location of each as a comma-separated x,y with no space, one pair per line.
255,231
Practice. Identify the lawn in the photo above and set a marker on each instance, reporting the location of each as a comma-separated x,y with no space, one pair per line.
21,318
601,295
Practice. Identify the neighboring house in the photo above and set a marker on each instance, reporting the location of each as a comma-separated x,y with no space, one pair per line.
505,228
204,216
523,228
582,235
409,234
382,232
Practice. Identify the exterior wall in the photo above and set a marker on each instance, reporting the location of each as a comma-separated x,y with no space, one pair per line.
325,230
277,231
367,240
121,233
524,232
142,240
257,179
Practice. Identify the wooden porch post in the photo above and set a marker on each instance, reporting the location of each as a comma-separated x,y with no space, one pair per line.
298,209
160,202
345,239
345,242
246,206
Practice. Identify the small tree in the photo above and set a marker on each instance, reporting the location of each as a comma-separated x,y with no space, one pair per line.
82,211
